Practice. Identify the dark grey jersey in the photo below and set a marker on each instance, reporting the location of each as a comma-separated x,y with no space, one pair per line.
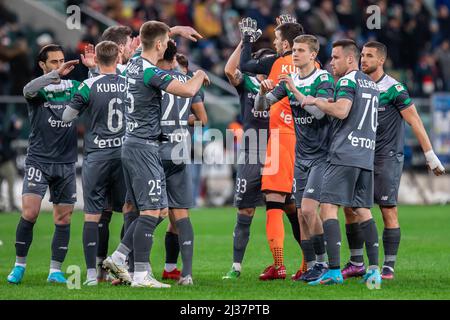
353,138
145,83
51,140
312,134
174,122
391,128
252,119
102,99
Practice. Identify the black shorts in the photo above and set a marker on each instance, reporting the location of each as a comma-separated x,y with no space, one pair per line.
247,192
103,185
347,186
60,178
308,175
144,175
387,176
178,185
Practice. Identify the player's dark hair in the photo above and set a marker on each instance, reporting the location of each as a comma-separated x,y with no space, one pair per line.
262,53
381,48
43,53
107,53
150,31
289,31
117,34
171,51
310,40
182,60
348,45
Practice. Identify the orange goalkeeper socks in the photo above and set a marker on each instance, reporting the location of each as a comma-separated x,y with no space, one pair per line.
275,234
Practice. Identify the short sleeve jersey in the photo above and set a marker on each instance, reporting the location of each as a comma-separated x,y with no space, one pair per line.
145,83
174,121
353,138
102,100
312,134
391,128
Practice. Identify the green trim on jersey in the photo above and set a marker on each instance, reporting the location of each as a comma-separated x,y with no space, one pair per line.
251,84
84,89
151,72
60,92
344,84
310,86
393,92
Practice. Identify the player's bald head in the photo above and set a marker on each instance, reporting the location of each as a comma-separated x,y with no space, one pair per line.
349,47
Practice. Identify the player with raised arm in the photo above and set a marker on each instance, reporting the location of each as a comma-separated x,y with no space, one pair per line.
348,178
278,173
312,132
248,193
394,109
101,99
143,169
50,161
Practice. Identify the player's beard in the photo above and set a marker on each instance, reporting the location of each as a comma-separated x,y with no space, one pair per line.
369,70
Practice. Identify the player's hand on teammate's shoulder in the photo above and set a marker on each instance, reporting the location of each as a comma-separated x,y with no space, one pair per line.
67,67
88,57
266,86
206,81
186,32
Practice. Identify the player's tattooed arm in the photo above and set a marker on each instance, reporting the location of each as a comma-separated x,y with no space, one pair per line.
413,119
32,88
232,72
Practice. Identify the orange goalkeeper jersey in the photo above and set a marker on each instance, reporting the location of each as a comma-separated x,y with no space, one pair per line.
280,112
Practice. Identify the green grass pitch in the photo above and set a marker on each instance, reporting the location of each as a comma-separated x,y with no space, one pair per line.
422,271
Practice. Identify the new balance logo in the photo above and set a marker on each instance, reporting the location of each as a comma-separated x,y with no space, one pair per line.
338,244
187,243
384,198
311,190
91,244
376,245
155,199
31,184
148,235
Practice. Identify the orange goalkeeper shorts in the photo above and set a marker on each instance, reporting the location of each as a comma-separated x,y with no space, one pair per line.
278,171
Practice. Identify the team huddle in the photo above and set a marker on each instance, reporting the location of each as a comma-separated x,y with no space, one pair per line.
330,144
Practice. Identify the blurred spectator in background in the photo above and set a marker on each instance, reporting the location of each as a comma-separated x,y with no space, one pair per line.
443,58
8,171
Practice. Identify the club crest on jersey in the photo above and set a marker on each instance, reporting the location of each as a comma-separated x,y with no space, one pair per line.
344,82
399,87
324,77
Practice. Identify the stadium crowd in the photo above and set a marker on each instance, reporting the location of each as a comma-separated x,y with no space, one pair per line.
417,33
